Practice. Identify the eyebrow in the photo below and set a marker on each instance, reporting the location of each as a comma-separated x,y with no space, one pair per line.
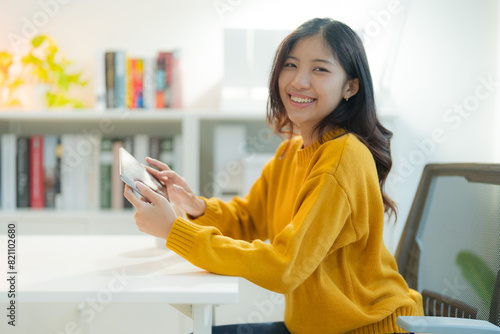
314,60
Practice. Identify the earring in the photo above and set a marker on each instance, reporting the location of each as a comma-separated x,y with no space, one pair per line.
346,99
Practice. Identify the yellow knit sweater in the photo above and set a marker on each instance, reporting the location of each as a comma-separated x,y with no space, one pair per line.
322,211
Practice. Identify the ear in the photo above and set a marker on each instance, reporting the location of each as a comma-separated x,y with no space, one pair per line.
351,89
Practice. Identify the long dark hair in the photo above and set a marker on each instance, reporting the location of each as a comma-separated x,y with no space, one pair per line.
357,115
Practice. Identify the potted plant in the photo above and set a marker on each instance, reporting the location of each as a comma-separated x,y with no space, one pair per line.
40,78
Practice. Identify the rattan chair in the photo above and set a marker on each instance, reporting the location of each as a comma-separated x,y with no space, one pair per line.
450,249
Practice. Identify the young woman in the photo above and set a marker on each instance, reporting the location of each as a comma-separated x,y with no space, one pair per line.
320,201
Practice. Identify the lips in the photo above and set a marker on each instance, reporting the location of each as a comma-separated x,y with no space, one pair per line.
300,100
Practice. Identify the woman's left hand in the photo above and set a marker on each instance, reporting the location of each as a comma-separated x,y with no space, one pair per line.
155,218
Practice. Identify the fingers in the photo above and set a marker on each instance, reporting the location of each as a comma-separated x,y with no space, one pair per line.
155,172
157,163
130,196
150,195
172,177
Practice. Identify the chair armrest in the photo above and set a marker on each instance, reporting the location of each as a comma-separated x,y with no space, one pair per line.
445,325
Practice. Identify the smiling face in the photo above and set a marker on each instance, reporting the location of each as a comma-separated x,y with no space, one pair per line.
312,84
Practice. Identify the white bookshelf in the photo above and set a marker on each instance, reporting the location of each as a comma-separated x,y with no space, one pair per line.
187,123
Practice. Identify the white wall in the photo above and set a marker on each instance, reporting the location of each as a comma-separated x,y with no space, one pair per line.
449,49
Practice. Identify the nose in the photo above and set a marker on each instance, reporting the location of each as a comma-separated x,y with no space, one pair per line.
301,80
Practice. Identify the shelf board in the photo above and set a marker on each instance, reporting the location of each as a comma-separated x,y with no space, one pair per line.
52,213
125,115
88,115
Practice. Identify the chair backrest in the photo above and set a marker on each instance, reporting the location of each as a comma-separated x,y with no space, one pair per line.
450,247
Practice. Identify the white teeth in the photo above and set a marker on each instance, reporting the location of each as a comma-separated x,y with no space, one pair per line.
300,100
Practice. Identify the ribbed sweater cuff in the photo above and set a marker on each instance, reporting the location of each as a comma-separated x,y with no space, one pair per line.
182,236
387,325
210,214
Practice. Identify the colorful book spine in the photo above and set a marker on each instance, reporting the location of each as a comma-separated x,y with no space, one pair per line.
140,82
160,80
130,83
37,193
138,73
168,79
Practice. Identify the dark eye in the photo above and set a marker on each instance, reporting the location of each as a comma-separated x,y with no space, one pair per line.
289,65
320,69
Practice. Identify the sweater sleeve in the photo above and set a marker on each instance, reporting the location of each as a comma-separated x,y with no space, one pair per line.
241,218
320,223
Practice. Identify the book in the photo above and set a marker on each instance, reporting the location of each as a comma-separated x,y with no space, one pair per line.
117,199
129,145
50,169
8,172
82,149
58,195
105,171
137,82
148,86
161,80
120,79
175,94
130,84
37,192
100,82
93,176
154,147
23,172
167,151
110,79
71,160
168,79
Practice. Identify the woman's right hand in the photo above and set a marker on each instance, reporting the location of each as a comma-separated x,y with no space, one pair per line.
178,190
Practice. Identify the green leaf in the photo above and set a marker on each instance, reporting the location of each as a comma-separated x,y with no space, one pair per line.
478,274
38,40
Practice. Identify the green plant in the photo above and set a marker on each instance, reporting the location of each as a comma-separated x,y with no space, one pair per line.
478,274
43,64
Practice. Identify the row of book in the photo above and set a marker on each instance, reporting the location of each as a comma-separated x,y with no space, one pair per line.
136,83
74,171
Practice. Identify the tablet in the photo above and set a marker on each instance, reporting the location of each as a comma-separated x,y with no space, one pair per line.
131,171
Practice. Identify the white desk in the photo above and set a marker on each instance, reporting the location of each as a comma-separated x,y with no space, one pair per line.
92,269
